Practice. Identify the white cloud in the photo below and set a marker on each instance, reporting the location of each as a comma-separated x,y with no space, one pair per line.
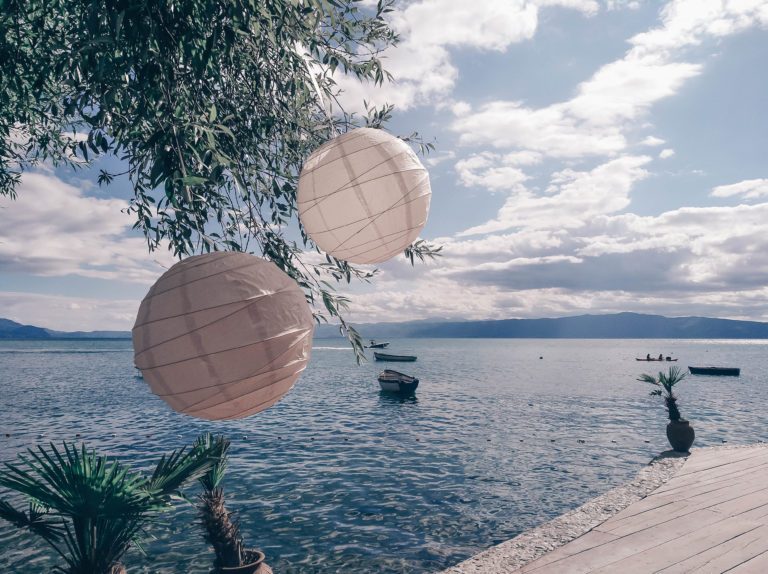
688,261
435,159
619,4
461,108
689,22
624,89
589,124
652,141
52,229
618,93
493,171
572,199
666,153
748,189
552,131
62,313
421,64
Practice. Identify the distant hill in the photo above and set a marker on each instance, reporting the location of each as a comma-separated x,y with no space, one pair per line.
616,326
13,330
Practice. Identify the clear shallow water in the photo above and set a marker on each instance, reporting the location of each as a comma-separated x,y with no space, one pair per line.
338,477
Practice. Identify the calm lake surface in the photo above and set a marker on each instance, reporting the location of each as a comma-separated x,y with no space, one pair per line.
339,477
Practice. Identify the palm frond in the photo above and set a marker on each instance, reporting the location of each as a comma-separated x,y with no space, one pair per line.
666,381
646,378
90,508
213,477
36,520
179,467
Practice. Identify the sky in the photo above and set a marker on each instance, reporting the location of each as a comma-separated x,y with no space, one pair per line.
592,156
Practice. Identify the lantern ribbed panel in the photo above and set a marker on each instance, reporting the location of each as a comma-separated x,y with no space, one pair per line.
223,335
364,196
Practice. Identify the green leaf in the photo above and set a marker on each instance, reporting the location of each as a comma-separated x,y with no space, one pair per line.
193,180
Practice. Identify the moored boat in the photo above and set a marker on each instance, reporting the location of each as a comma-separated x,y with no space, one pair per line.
722,371
388,357
375,345
396,382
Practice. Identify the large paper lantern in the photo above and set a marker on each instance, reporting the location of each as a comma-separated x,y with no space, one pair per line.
364,196
223,335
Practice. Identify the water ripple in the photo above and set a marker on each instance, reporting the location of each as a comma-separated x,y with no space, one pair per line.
341,477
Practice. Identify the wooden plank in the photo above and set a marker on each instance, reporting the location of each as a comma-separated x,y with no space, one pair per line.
745,502
711,517
748,459
757,565
690,546
646,504
759,513
724,556
712,479
676,511
604,554
694,465
583,542
715,457
716,470
681,484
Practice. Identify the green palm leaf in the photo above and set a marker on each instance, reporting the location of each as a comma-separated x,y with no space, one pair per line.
666,381
91,509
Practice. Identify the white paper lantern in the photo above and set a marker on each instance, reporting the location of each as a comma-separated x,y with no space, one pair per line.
223,335
364,196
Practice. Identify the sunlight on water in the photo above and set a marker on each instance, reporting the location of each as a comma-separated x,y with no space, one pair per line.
341,477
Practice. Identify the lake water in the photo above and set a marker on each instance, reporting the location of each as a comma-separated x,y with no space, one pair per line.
338,477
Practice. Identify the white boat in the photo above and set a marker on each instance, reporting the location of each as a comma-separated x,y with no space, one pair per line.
375,345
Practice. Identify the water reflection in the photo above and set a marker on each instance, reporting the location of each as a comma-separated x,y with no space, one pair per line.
391,398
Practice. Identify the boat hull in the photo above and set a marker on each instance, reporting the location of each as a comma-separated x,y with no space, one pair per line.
396,382
399,358
398,387
719,371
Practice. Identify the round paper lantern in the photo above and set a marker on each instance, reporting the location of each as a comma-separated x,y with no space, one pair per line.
364,196
223,335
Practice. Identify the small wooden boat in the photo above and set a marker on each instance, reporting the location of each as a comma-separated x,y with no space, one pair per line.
387,357
722,371
375,345
670,359
396,382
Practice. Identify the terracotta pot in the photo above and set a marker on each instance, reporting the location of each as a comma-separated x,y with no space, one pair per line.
680,434
255,565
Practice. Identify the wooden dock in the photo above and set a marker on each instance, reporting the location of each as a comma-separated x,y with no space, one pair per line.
711,517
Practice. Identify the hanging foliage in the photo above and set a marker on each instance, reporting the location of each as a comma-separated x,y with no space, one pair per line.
210,105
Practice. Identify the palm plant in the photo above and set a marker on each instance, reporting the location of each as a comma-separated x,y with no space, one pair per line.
221,531
91,509
665,382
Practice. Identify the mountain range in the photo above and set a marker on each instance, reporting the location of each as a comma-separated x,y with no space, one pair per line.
13,330
615,326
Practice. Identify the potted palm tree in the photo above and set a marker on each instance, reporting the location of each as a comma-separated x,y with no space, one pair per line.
89,509
679,431
221,530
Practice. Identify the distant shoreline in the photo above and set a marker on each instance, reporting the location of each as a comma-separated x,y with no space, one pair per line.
65,338
613,326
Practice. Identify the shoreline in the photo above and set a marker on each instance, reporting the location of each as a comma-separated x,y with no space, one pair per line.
532,544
